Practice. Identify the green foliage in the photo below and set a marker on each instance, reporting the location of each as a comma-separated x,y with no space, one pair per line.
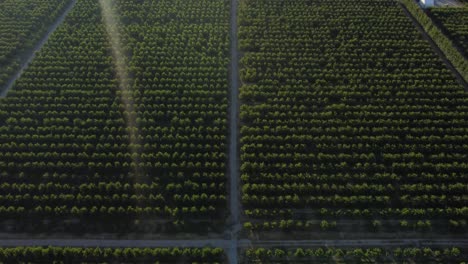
347,115
110,255
355,255
22,25
445,44
85,153
454,23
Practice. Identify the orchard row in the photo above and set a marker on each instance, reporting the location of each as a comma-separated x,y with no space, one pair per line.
355,255
110,255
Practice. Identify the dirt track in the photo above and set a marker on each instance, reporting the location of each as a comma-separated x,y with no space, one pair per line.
228,243
234,202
